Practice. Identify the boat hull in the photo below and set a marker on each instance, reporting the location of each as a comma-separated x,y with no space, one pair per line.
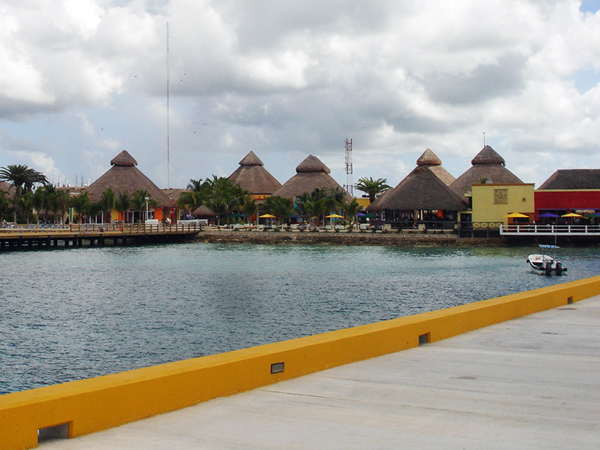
545,265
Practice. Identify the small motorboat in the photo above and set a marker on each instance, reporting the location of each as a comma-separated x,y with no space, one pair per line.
545,265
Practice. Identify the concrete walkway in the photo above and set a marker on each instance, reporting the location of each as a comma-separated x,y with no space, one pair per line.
528,383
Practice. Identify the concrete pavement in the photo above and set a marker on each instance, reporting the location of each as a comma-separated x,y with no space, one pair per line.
532,382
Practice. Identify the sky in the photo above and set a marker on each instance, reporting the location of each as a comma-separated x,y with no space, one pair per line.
82,80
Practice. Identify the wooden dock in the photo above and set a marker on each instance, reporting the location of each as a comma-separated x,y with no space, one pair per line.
93,235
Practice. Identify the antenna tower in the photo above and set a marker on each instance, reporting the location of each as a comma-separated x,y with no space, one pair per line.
168,115
349,188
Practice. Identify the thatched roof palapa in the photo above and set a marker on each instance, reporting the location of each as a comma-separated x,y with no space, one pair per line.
573,179
425,188
203,211
123,176
253,177
487,165
311,174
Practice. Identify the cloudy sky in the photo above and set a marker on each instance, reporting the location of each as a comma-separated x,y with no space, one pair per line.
81,80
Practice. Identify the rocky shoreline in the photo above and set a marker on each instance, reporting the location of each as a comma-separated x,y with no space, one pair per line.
360,238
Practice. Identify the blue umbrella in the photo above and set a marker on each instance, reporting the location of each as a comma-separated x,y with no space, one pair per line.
548,215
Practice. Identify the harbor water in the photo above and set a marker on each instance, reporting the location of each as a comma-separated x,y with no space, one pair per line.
79,313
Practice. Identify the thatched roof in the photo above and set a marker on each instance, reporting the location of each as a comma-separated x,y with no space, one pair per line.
426,188
311,175
487,165
123,176
174,193
421,190
253,177
573,179
203,211
4,186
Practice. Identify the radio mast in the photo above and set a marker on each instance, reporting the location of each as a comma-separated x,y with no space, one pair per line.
168,115
349,188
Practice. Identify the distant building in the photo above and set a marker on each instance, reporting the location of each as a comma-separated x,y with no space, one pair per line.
423,195
487,167
254,178
569,190
124,176
492,202
311,175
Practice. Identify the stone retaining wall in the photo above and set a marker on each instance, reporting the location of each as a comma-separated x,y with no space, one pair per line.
356,238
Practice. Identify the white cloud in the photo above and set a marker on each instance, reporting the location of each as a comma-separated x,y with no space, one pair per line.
296,78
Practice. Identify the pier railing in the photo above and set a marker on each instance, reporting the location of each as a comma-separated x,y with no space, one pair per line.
536,230
109,228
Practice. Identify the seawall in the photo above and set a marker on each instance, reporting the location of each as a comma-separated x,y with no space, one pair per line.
416,239
91,405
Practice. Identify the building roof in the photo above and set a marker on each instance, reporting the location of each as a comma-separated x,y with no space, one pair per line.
487,165
253,177
4,186
425,188
124,176
311,174
573,179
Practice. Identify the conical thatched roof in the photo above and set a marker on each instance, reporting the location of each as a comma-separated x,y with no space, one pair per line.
123,159
123,176
487,165
425,188
203,211
311,175
253,177
428,158
421,190
573,179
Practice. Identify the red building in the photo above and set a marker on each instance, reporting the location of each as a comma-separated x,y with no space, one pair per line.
569,190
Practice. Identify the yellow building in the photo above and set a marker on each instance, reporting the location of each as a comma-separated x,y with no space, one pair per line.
494,201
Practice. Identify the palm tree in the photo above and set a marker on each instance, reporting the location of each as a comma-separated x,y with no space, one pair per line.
23,179
80,204
122,204
64,203
107,202
280,207
351,209
141,200
372,187
250,208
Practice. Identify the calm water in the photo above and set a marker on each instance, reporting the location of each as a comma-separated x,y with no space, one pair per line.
78,313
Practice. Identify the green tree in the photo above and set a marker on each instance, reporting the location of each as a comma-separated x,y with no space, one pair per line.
250,208
122,204
22,179
80,204
224,197
372,187
140,201
351,209
107,202
280,207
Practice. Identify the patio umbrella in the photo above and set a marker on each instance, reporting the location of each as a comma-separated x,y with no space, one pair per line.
592,215
571,215
517,215
549,215
267,216
334,216
370,216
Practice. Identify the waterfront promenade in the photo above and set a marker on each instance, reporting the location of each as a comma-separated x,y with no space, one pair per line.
526,383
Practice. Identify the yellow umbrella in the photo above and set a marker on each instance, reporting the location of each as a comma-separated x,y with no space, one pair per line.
572,215
334,216
517,215
267,216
